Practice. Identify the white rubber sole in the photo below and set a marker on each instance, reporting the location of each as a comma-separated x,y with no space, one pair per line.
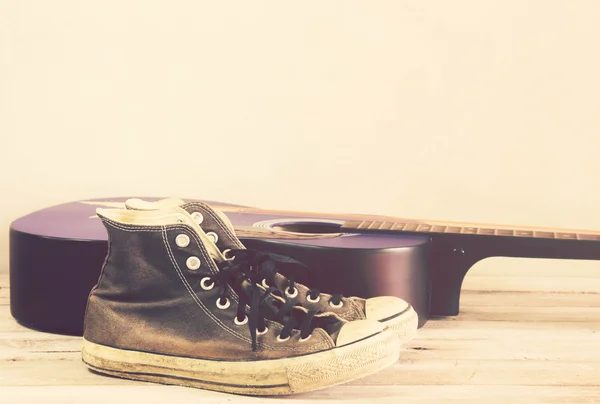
405,325
265,377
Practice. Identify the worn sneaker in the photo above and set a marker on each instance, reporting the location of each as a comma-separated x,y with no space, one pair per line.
391,311
169,308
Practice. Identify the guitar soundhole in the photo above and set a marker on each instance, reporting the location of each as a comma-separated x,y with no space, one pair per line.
308,227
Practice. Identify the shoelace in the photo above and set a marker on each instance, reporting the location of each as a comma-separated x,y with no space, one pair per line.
269,264
234,274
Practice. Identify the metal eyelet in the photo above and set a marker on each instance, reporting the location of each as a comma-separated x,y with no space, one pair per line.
203,284
212,236
336,306
263,332
193,263
291,295
310,299
182,240
227,251
282,339
198,218
264,284
237,322
305,339
223,306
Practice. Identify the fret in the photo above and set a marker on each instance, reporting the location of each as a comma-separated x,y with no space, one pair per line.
365,224
438,229
353,224
386,226
453,229
374,225
566,236
544,234
486,231
411,226
398,226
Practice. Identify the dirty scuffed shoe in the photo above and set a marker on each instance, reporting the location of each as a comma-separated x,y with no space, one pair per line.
169,308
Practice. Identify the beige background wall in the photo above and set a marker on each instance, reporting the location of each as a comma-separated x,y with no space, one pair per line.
463,110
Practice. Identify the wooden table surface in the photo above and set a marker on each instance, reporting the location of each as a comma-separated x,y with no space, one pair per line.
523,335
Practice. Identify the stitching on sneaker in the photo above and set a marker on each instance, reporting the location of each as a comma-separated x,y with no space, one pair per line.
354,308
133,229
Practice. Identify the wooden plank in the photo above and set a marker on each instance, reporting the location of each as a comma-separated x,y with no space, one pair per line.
509,347
457,394
155,394
25,338
550,341
21,349
521,314
4,291
53,370
536,267
487,372
408,371
451,327
532,284
479,298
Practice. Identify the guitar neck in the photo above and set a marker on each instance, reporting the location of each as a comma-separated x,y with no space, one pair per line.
441,227
494,240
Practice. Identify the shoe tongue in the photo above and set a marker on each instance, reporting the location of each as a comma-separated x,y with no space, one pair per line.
247,289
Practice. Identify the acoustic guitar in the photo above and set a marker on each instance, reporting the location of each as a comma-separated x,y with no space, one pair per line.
56,255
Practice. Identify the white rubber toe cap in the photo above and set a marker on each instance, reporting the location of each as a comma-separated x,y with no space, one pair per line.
384,307
357,330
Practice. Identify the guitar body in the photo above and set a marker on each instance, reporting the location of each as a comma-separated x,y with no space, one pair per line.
56,255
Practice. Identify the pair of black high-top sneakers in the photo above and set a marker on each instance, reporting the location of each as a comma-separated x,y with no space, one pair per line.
181,301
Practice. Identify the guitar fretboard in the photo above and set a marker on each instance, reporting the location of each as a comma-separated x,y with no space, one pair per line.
458,228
